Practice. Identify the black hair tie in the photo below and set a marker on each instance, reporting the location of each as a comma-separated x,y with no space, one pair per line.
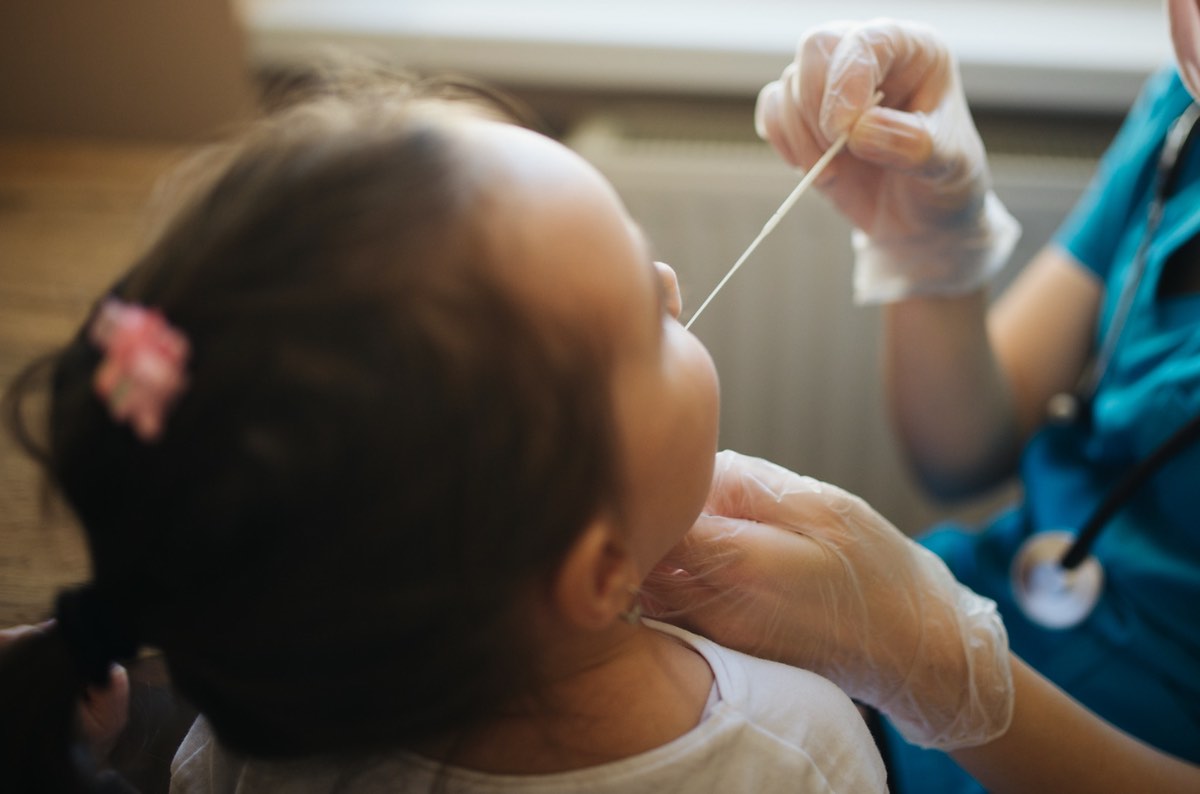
94,632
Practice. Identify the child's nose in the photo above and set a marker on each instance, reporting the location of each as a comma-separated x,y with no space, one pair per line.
670,288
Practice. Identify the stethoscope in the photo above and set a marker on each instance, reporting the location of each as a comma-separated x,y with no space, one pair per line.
1056,580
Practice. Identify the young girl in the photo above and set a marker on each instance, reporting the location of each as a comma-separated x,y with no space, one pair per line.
377,444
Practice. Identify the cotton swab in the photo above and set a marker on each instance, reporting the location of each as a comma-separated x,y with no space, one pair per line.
787,204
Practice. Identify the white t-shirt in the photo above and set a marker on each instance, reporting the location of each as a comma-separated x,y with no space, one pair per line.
768,728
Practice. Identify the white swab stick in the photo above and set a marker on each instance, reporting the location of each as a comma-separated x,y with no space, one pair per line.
787,204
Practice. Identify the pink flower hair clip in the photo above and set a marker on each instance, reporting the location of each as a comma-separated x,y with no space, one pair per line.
142,372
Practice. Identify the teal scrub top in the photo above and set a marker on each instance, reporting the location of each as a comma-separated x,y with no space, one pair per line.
1136,659
1151,550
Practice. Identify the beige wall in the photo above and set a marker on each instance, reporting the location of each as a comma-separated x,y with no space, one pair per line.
148,69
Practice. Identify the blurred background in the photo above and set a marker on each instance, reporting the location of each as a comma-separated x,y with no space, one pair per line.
99,100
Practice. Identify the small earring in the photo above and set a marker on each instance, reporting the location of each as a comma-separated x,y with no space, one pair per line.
633,614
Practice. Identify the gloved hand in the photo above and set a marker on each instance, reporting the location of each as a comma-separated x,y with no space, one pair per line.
103,711
792,569
915,182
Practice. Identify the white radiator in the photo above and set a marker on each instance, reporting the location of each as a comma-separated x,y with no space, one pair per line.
798,362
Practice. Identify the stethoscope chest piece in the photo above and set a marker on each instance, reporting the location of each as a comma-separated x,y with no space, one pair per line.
1049,594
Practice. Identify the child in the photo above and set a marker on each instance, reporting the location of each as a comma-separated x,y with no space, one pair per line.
377,444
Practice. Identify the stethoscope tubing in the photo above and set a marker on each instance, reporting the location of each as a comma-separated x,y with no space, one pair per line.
1123,491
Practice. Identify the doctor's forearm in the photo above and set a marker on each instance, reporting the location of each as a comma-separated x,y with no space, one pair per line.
948,398
1056,745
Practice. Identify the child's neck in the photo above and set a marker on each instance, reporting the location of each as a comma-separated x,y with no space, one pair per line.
625,693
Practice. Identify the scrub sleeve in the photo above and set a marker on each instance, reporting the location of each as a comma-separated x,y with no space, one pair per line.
1136,660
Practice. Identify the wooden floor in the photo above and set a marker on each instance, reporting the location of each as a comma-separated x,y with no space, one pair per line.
72,216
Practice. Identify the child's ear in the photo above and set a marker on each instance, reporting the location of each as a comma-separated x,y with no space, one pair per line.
597,580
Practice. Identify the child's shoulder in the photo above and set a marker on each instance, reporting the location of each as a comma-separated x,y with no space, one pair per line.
793,709
748,682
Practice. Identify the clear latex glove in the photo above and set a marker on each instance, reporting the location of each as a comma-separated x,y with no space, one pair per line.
915,181
793,569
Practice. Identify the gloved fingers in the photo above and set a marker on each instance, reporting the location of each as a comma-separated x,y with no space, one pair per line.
778,122
720,551
916,74
755,587
759,490
811,98
788,109
830,86
691,585
745,487
923,125
853,75
904,60
694,566
892,139
769,122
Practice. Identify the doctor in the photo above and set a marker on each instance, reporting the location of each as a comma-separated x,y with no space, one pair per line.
1104,325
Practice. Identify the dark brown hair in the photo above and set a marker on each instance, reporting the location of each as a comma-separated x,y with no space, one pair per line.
380,451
